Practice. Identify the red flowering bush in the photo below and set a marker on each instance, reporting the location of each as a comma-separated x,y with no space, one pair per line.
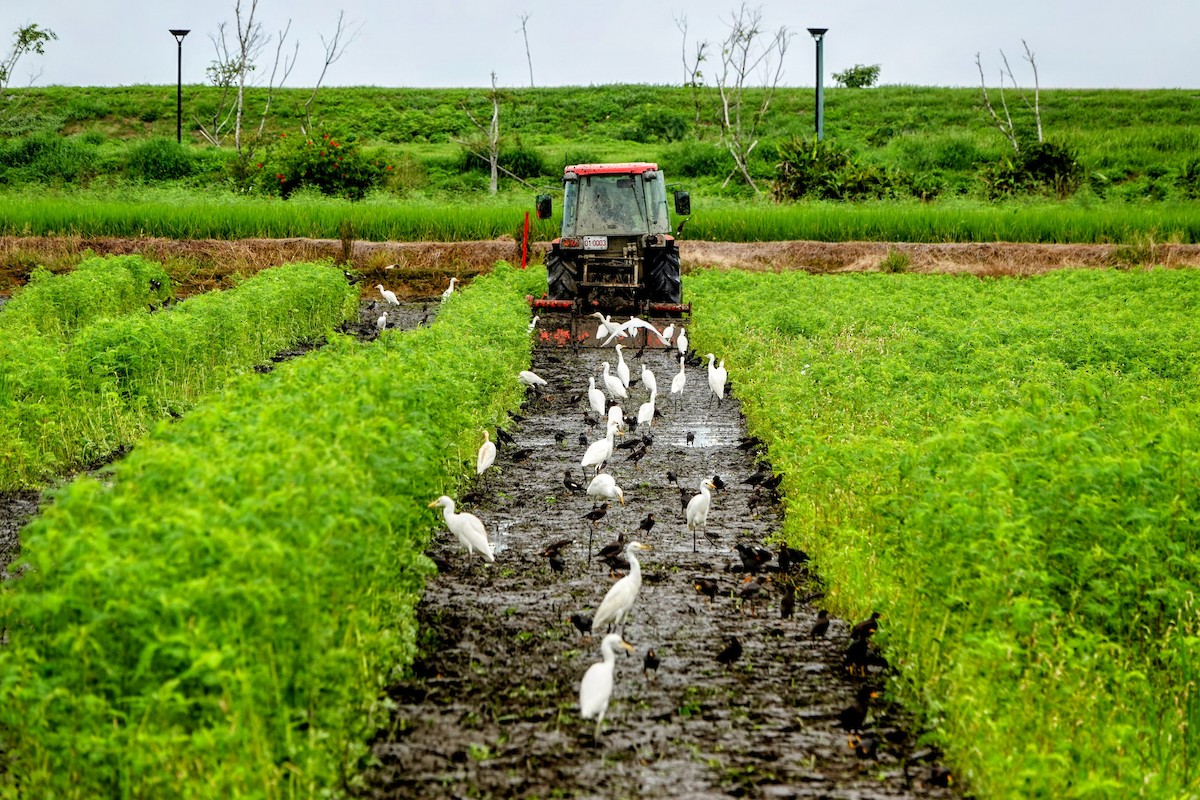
331,164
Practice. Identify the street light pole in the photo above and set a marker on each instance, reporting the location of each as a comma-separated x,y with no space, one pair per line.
819,35
179,34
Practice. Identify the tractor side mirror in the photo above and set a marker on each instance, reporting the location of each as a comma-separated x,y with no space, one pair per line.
683,203
544,208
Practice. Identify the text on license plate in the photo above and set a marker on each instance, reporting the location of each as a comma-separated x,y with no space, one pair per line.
595,243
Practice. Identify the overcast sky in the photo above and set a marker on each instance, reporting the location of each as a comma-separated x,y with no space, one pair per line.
1077,43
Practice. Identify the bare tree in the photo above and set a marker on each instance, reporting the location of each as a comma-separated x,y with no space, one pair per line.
747,51
1005,123
335,48
525,32
493,134
28,39
693,78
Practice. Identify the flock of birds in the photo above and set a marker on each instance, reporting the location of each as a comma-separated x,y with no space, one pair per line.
602,400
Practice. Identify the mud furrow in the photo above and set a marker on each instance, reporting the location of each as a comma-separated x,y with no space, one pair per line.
491,709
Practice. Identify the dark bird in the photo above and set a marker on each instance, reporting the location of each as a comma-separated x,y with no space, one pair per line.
685,497
517,456
864,747
717,482
637,455
791,557
672,477
706,586
773,483
756,479
647,523
749,443
629,445
597,513
751,591
757,498
753,558
650,663
787,606
582,623
853,716
611,550
860,656
589,420
820,627
583,440
559,437
866,629
557,563
731,653
572,484
504,437
554,548
940,776
516,418
691,438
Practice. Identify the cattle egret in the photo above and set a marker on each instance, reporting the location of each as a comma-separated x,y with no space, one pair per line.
381,323
487,454
612,329
622,367
613,384
697,509
449,289
616,605
596,399
601,450
597,686
467,527
667,334
646,411
388,295
678,381
627,328
617,415
533,323
530,378
648,380
681,341
605,485
716,378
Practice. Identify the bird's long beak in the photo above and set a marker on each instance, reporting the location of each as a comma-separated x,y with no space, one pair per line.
432,505
627,646
644,546
710,484
622,499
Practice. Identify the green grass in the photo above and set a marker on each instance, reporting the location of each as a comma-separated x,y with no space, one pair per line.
1010,471
218,616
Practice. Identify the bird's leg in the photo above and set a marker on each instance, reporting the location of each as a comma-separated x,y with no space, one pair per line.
591,529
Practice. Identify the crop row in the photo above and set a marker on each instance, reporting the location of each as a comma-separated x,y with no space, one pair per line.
218,619
193,217
1010,472
65,402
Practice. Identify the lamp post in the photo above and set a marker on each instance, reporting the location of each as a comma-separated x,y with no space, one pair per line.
819,35
179,34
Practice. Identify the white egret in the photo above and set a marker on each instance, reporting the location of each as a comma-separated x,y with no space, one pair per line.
596,399
648,380
530,378
622,367
533,323
487,454
717,377
597,686
615,606
697,509
627,328
613,384
467,527
613,329
678,381
388,295
646,411
449,290
605,485
381,323
617,414
681,341
601,450
668,333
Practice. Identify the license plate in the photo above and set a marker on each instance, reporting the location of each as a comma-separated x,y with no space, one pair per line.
595,243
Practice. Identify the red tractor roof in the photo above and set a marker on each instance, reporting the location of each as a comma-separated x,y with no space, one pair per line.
634,168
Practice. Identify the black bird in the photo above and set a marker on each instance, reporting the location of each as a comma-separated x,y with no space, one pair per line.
589,420
516,417
706,586
864,747
691,438
685,497
753,558
554,548
557,563
629,444
773,482
650,663
572,484
787,606
504,437
731,653
756,479
751,591
861,655
637,455
597,513
672,477
523,454
820,626
583,440
647,523
866,629
757,498
559,437
940,776
749,443
582,623
853,716
717,482
790,556
614,549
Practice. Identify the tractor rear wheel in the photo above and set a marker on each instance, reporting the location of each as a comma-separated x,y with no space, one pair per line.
663,281
561,280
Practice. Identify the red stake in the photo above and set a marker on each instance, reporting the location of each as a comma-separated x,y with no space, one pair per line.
525,243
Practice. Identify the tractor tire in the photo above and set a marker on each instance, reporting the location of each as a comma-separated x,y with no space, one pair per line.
561,278
663,282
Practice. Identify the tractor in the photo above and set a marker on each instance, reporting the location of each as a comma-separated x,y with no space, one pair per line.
616,253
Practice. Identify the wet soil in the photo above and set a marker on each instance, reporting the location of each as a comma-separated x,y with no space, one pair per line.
491,709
